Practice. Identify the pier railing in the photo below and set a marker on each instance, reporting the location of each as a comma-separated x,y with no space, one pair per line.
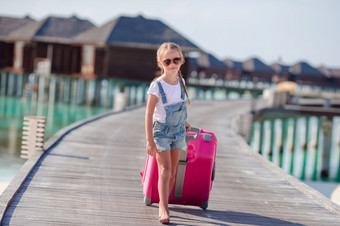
241,86
66,89
307,147
102,92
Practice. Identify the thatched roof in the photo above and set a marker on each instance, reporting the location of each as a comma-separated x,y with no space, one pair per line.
135,32
51,29
9,24
256,65
303,68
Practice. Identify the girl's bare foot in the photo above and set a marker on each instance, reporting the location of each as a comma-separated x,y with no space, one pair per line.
164,217
167,212
164,220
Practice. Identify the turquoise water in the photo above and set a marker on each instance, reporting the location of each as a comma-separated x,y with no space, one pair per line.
12,111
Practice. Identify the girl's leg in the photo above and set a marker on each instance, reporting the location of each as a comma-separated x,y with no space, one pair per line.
174,155
164,173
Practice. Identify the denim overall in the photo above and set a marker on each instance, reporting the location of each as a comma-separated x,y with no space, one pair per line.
171,134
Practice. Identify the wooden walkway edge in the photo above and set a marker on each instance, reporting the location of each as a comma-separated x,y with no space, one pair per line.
89,175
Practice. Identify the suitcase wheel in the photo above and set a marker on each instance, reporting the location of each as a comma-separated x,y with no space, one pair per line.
147,201
204,205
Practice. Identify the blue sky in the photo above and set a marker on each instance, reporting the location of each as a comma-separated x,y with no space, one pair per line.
285,31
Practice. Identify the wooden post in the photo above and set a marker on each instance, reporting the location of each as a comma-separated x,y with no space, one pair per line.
255,143
51,100
110,94
283,140
103,93
144,99
292,148
287,151
318,152
135,101
298,147
272,139
3,83
120,101
33,135
59,93
66,90
326,147
305,149
202,94
11,83
97,92
213,94
277,141
52,90
81,91
204,91
335,151
74,91
192,92
33,92
90,92
129,93
311,148
266,138
140,94
41,95
262,129
20,85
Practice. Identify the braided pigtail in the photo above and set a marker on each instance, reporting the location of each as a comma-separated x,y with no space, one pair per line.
185,89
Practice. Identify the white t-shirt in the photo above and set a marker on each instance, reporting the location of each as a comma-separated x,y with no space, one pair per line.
173,96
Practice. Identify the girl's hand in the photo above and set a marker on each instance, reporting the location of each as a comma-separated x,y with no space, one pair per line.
151,148
187,126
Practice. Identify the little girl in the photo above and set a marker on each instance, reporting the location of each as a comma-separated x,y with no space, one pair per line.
165,121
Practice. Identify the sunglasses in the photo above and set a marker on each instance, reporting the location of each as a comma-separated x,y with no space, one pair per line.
176,60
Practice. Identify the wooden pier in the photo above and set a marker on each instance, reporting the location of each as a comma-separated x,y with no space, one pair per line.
89,175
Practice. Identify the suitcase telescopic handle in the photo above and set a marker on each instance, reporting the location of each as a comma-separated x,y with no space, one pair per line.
194,137
182,164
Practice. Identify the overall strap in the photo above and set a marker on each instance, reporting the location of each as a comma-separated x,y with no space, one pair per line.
182,90
161,90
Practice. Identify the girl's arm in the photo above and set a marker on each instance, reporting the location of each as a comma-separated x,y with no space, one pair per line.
150,108
187,126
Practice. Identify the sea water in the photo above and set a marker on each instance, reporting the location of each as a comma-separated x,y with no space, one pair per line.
12,111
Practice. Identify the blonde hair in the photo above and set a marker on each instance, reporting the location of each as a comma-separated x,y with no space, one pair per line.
172,46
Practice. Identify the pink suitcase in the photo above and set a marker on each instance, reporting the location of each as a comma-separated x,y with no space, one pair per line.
195,172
